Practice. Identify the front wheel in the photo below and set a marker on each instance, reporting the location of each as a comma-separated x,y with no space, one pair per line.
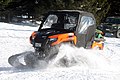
47,53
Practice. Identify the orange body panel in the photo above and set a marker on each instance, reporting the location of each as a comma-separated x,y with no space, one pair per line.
98,44
33,35
63,38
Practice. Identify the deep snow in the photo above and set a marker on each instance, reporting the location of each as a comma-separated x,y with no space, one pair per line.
82,64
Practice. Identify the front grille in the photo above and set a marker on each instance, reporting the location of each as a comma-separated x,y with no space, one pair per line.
40,38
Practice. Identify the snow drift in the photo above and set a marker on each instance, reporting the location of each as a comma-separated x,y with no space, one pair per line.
71,63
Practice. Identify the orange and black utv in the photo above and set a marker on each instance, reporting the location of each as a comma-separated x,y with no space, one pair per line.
63,26
57,27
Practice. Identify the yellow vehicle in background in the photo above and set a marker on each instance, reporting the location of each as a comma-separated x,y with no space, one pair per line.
98,40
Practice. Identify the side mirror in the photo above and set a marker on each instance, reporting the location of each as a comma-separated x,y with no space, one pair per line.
41,18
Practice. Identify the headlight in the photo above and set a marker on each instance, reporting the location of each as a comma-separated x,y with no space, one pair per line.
52,39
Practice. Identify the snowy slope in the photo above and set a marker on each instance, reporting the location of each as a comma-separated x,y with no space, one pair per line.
82,64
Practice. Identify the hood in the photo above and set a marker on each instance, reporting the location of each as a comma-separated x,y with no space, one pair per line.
53,31
43,34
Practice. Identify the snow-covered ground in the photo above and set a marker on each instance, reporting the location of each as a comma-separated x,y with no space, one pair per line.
91,64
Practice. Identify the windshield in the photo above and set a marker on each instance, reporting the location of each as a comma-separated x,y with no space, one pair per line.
113,20
61,21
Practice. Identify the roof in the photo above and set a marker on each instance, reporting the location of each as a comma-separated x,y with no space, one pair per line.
117,17
79,11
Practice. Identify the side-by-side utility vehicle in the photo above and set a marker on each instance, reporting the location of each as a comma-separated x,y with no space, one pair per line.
58,27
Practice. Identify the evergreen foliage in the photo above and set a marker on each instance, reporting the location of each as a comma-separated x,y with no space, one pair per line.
100,8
